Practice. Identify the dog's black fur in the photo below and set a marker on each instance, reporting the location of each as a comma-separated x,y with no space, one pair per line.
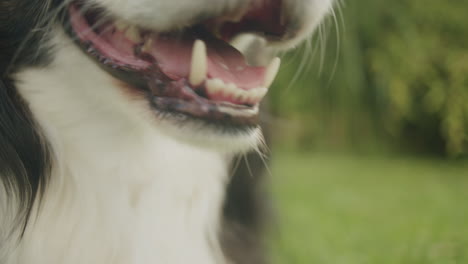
24,156
26,160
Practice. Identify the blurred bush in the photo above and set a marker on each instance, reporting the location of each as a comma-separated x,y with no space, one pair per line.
380,72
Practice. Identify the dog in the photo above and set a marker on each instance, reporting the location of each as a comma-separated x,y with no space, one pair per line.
124,123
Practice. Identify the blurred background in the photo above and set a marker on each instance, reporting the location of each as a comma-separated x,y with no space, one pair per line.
370,121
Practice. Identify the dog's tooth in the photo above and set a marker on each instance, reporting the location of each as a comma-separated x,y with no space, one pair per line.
271,72
214,85
230,90
233,91
148,45
232,87
250,99
259,93
121,25
247,96
243,95
199,65
133,34
250,95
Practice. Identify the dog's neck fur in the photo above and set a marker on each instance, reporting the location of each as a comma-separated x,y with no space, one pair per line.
155,200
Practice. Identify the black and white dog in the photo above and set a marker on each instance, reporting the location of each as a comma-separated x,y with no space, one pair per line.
121,121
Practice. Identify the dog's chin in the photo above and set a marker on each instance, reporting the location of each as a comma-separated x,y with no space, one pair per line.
212,137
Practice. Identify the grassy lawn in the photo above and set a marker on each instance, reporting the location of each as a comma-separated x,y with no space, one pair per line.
339,209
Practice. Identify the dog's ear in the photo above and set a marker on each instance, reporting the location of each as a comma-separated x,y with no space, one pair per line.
24,159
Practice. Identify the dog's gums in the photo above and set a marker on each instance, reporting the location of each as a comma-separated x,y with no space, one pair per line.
195,71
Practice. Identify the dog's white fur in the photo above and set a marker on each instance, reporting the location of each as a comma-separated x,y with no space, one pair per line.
165,15
126,187
122,191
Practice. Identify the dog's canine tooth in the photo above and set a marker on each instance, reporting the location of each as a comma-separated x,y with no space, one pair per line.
199,65
271,72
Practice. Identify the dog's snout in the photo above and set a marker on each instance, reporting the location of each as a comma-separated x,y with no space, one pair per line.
281,21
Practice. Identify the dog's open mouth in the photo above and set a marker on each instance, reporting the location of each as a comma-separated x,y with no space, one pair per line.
194,71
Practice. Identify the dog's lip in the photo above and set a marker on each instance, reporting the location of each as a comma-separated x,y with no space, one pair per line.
168,91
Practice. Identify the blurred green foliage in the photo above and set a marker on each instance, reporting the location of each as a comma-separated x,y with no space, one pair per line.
387,72
369,209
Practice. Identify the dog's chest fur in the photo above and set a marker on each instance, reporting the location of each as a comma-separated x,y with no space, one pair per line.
146,199
131,212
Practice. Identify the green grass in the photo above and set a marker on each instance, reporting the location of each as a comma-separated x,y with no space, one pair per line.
339,209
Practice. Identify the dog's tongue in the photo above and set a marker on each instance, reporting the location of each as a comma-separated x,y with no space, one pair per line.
174,57
173,54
